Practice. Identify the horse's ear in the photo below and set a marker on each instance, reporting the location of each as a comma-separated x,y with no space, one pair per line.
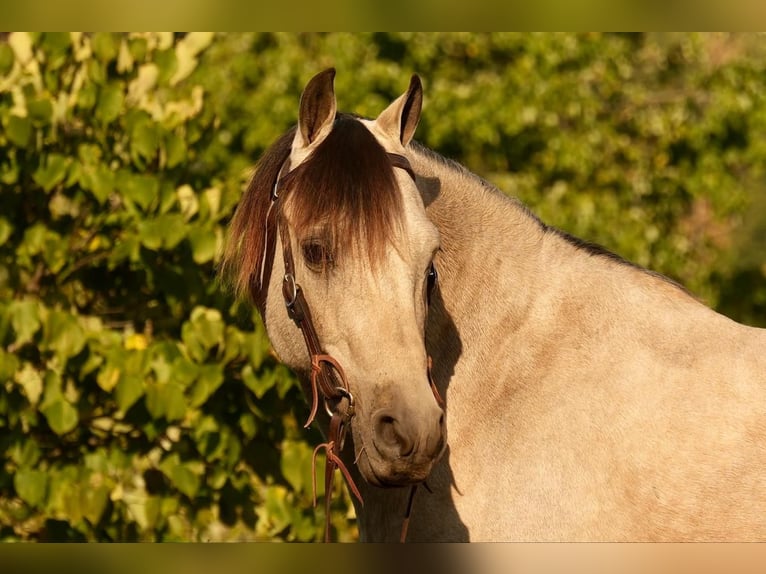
400,119
317,111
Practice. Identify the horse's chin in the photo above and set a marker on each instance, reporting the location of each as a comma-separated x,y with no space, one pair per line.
385,474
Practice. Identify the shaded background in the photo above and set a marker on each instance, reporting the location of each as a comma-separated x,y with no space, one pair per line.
140,402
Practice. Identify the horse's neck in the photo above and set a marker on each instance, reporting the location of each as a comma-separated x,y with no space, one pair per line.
509,285
489,263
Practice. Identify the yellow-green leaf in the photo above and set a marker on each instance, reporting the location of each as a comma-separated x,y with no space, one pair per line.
61,416
31,485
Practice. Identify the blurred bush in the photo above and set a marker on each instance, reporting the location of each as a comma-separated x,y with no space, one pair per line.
139,402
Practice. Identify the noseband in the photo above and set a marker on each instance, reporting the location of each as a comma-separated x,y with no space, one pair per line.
328,380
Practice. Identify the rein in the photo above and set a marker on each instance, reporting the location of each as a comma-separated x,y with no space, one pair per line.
328,380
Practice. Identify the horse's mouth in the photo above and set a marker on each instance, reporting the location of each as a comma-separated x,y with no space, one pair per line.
394,474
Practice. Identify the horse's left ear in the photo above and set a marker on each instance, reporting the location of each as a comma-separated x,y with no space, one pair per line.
400,119
318,107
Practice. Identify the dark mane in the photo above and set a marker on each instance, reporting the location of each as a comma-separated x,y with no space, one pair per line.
345,194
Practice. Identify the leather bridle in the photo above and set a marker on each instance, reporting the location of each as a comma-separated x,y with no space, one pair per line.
328,380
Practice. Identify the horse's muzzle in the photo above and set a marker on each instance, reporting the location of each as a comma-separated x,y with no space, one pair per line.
404,448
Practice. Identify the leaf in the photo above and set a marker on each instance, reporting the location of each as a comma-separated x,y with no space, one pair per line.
61,416
99,180
104,46
108,377
109,103
165,400
124,58
63,334
139,189
129,389
202,332
21,43
52,172
25,319
210,378
296,464
183,475
18,130
144,83
164,231
175,149
40,111
6,59
186,52
203,243
30,380
167,64
93,501
144,139
187,199
259,384
9,364
31,485
6,229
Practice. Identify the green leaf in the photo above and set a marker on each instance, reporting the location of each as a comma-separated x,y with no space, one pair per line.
93,501
99,180
18,131
26,454
139,189
30,380
25,319
52,172
210,378
61,416
259,384
40,111
56,43
167,63
185,476
188,201
296,464
9,364
202,332
63,334
128,248
164,231
144,139
87,96
129,389
104,46
109,103
6,59
203,243
165,400
108,377
175,149
31,485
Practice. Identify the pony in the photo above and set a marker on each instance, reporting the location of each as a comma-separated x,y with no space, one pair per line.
538,387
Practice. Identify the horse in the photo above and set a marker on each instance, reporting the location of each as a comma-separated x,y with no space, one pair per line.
535,386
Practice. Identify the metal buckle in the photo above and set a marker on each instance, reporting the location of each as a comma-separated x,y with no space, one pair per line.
289,278
349,414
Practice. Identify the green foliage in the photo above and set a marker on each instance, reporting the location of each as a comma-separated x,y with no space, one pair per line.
122,411
139,402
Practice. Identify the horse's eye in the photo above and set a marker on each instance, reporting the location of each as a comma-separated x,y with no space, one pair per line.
431,281
316,255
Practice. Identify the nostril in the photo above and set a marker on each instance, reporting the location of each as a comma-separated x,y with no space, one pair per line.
390,438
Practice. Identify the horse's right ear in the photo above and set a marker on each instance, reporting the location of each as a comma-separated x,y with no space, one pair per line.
318,107
400,119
